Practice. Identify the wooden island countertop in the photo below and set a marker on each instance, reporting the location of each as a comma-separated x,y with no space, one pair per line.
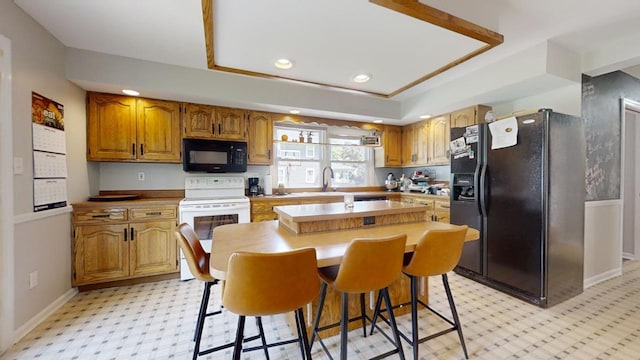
310,218
331,211
270,237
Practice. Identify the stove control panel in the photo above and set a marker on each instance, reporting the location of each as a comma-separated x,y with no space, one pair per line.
213,182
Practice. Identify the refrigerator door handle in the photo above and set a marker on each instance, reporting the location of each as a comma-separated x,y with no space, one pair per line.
482,198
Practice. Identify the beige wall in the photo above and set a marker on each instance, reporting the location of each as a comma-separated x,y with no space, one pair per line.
41,243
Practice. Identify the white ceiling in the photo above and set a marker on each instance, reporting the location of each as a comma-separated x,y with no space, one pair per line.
330,40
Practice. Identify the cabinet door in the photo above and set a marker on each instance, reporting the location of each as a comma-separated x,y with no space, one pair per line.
393,145
442,211
464,117
159,136
408,153
230,124
111,127
421,143
100,253
439,129
153,248
198,121
260,138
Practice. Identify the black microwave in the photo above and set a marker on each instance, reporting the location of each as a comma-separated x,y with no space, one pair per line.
214,156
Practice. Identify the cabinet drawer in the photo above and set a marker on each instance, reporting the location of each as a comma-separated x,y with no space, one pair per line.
155,212
100,215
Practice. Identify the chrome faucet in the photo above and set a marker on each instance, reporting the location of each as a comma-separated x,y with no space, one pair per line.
325,182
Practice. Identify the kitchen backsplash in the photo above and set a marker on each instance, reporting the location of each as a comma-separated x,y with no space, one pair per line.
126,176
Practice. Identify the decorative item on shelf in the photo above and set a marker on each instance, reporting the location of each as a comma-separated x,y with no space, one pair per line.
309,139
284,137
301,137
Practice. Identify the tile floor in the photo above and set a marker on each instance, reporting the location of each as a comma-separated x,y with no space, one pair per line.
156,321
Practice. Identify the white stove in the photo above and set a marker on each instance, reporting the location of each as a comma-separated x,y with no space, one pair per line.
211,201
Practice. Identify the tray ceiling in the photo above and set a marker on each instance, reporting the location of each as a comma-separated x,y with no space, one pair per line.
397,43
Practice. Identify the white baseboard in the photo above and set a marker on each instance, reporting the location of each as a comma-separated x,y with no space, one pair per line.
629,256
589,282
42,315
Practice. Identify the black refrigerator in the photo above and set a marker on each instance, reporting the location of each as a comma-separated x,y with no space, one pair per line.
527,201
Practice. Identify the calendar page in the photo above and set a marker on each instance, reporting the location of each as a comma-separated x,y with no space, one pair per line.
49,149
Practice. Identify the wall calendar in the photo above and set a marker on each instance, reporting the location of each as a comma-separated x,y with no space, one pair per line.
49,154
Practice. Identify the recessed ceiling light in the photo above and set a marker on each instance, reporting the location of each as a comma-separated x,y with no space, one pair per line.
294,111
425,116
283,64
377,121
130,92
361,78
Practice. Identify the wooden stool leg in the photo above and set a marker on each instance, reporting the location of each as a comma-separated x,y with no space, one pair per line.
454,312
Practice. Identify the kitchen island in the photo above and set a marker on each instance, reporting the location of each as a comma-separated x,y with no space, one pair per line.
338,216
270,237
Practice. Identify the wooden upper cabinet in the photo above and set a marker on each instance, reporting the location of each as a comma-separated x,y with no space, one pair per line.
260,138
415,144
439,129
111,127
469,116
158,130
198,120
390,154
230,124
121,128
408,148
213,122
421,143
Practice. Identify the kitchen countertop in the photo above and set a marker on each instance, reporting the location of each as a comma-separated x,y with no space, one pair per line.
356,194
127,203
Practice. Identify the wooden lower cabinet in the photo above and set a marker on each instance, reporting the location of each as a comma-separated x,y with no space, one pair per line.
437,209
153,248
112,244
100,253
263,210
441,211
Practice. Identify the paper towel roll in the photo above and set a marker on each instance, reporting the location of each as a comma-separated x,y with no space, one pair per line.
268,186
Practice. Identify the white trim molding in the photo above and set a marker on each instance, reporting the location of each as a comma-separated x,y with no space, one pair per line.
602,241
27,217
7,305
43,315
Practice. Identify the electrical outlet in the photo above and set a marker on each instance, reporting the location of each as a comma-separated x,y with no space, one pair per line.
33,279
140,176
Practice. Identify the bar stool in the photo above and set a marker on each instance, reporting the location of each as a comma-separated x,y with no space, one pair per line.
437,253
260,284
198,261
369,264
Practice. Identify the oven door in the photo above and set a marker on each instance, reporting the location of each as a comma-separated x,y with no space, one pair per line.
203,219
